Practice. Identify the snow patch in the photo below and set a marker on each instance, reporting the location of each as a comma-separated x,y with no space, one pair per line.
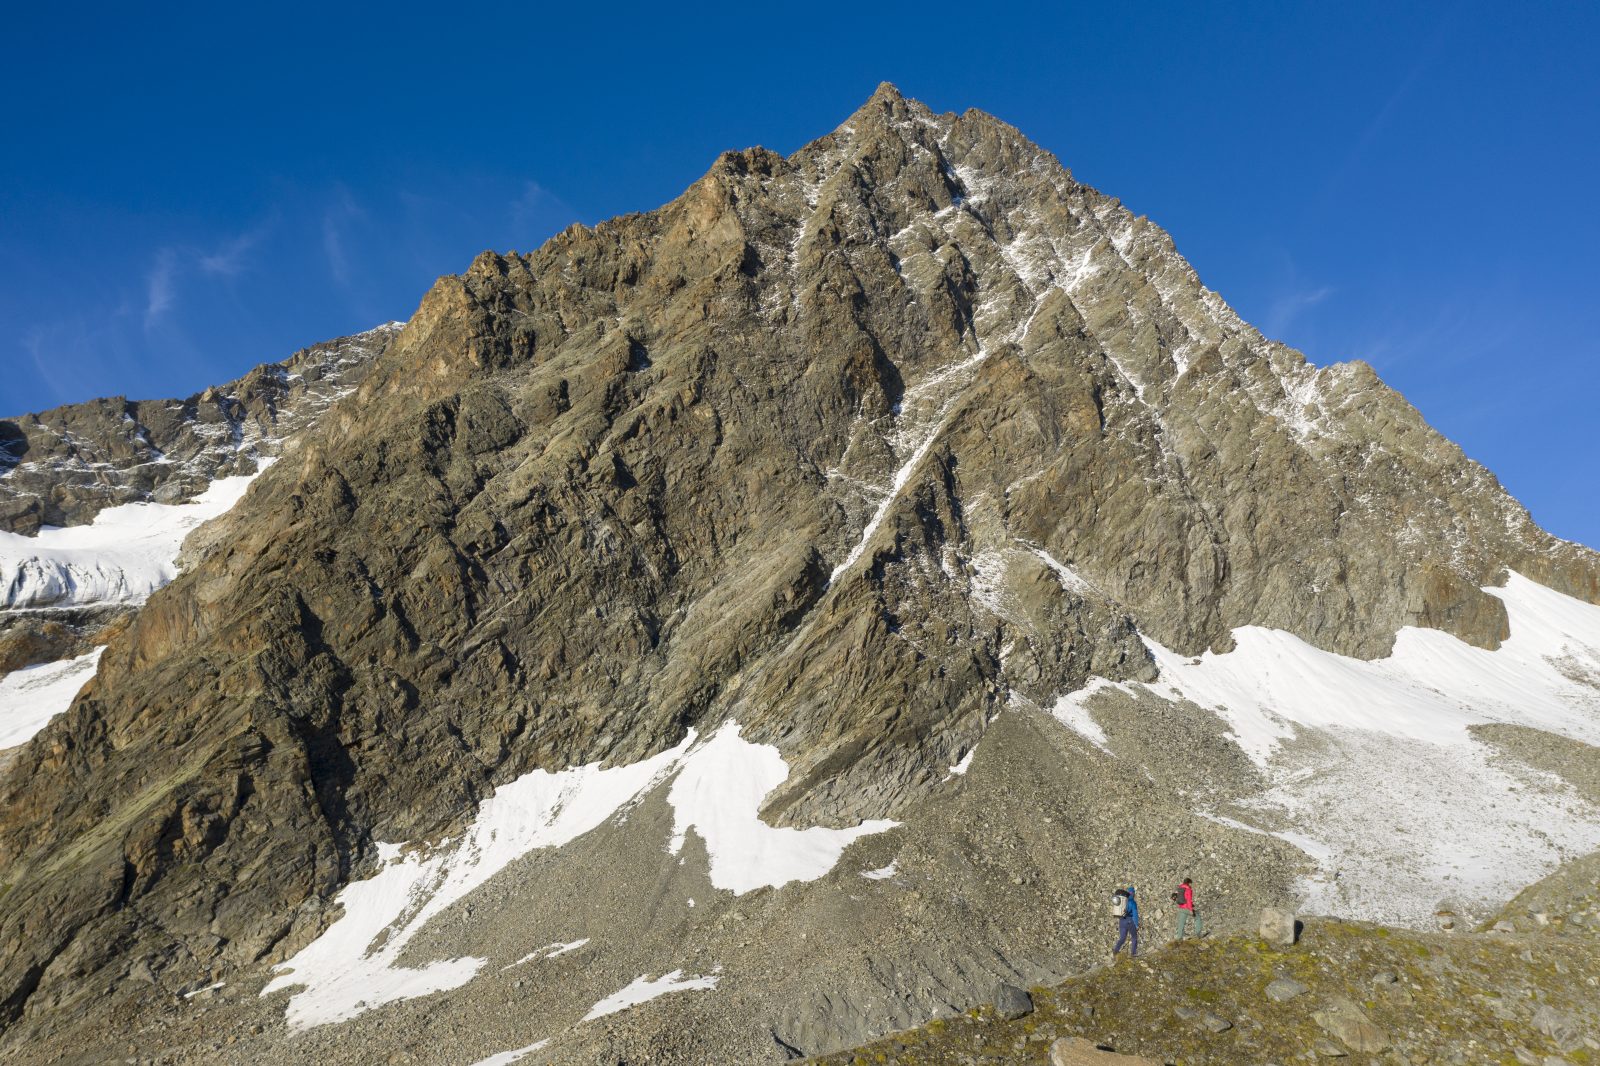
549,951
1373,766
33,695
718,793
340,972
881,874
1072,711
643,990
1429,689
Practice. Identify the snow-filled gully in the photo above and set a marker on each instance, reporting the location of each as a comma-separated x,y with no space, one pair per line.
716,788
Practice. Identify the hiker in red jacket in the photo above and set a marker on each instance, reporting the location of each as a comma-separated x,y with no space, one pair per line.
1184,898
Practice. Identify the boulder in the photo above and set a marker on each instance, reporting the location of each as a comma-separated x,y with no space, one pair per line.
1011,1002
1279,927
1348,1023
1559,1027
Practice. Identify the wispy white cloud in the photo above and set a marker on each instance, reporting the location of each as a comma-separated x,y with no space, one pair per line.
1452,333
336,218
73,358
160,286
538,212
229,259
1333,186
1283,310
45,364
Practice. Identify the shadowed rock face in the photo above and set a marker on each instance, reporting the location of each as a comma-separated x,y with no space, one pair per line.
854,446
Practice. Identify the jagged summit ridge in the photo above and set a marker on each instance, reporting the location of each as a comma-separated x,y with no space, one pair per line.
63,466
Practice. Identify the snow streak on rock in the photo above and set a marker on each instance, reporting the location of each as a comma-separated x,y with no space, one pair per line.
643,990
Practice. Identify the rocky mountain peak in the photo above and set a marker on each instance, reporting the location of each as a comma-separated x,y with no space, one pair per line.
861,456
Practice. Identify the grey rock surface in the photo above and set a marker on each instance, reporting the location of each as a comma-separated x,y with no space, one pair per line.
63,466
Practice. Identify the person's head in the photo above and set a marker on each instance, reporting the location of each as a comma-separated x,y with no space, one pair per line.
1185,880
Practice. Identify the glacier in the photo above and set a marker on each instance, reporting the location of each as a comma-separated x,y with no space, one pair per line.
121,557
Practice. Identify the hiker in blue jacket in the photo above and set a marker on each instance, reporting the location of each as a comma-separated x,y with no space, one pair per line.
1125,907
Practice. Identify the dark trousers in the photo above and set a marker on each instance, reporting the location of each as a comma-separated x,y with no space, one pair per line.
1129,930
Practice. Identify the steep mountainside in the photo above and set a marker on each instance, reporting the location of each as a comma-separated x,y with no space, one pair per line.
97,498
781,497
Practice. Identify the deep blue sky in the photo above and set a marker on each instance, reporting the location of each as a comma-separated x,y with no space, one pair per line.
188,190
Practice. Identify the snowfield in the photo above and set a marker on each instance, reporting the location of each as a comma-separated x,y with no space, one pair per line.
717,792
1429,690
123,556
1372,763
30,697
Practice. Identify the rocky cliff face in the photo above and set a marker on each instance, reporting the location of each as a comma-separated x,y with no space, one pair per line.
858,448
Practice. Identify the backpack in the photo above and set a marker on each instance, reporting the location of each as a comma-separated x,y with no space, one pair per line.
1177,897
1119,904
